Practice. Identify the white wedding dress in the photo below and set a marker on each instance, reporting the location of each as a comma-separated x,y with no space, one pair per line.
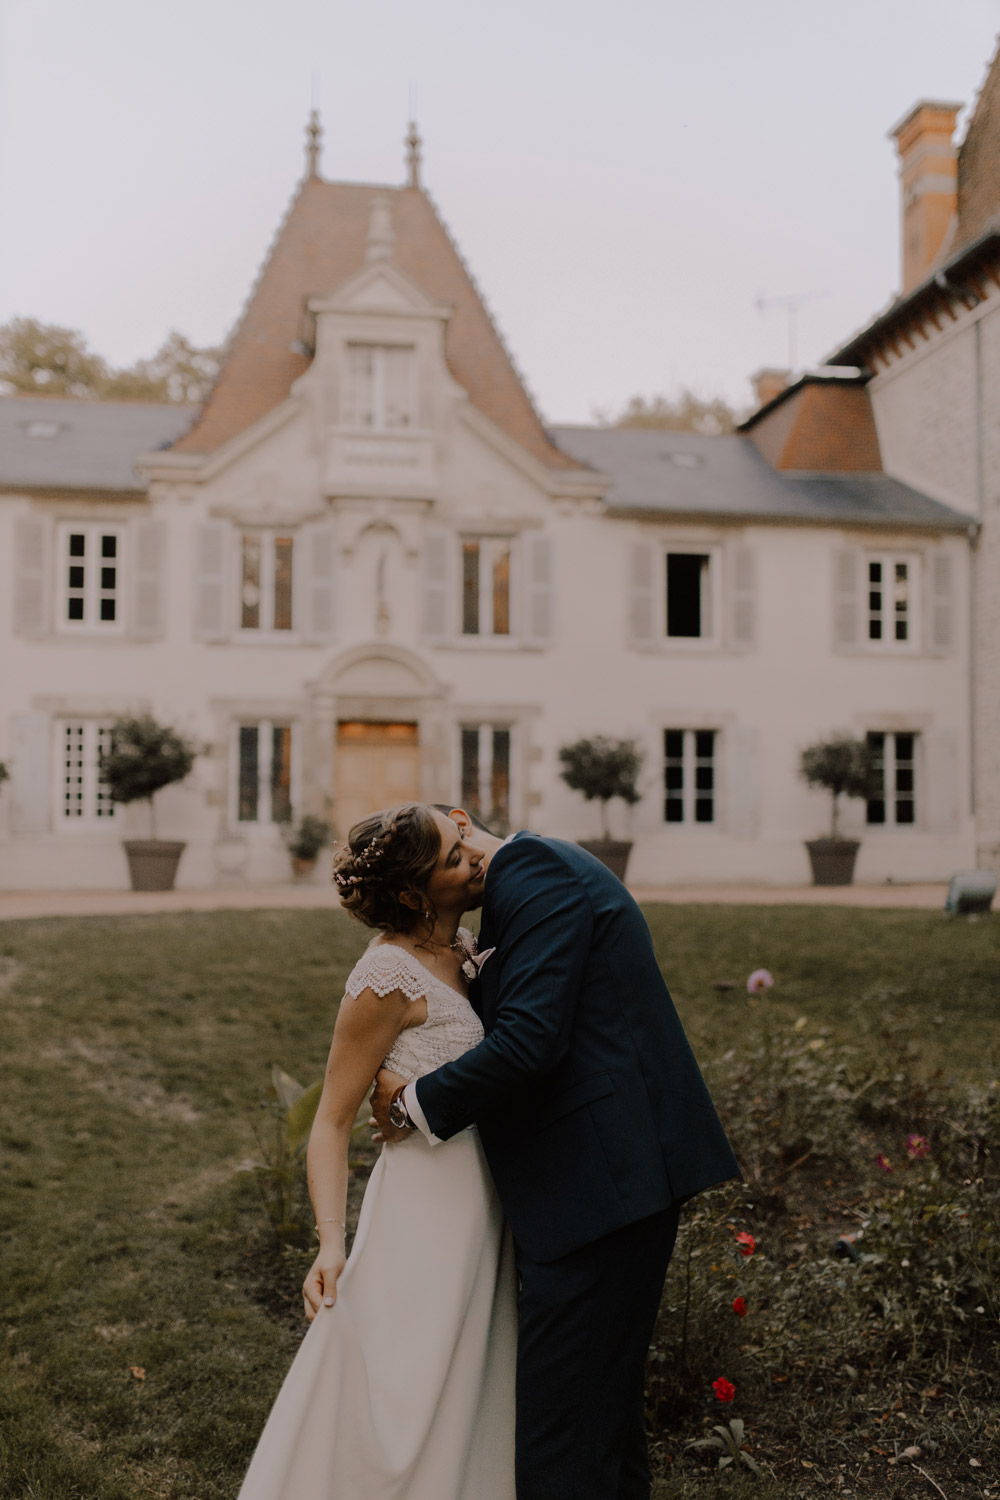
404,1390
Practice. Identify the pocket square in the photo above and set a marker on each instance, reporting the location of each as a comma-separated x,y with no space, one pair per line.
480,958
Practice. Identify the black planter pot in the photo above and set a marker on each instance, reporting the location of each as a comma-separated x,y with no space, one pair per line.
152,863
611,852
832,860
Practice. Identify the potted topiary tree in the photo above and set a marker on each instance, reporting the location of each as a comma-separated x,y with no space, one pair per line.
600,769
143,757
843,767
304,844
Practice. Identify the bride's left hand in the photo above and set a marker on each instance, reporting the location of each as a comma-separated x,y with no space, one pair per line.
320,1286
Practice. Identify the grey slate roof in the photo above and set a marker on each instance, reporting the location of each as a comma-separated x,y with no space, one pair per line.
683,473
47,442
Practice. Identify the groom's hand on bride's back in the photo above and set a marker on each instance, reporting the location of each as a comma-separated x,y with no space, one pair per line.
386,1085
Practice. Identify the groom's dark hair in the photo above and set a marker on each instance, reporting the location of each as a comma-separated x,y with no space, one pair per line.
446,807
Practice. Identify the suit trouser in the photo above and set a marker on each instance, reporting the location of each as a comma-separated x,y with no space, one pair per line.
584,1326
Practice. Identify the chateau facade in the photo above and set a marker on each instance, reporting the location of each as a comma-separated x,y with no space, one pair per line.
365,572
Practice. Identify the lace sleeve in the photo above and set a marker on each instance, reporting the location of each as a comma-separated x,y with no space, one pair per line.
383,969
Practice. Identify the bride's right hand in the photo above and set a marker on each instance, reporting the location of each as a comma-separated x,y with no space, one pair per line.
320,1286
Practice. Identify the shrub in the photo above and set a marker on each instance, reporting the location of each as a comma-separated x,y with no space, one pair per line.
843,767
600,769
311,835
144,757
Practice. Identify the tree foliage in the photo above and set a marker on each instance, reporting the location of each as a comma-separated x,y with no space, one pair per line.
42,359
143,757
601,768
843,767
686,412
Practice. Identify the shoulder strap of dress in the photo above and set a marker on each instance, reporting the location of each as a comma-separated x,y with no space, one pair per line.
384,968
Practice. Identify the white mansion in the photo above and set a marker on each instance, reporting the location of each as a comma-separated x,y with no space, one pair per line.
365,572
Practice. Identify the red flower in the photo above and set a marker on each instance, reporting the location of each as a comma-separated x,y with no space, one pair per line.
724,1390
917,1146
746,1242
883,1163
740,1307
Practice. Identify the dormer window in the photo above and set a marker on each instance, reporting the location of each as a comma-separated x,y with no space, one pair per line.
380,390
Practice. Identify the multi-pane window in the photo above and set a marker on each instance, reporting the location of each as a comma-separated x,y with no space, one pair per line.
689,775
83,796
90,577
893,802
264,772
689,595
485,773
265,581
486,585
380,390
890,601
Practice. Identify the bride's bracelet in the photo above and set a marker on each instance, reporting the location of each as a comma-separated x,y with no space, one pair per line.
331,1221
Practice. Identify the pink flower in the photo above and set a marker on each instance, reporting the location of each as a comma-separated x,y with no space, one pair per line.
724,1389
759,980
740,1307
883,1163
917,1146
746,1242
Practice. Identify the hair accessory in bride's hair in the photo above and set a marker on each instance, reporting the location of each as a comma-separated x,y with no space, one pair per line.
364,864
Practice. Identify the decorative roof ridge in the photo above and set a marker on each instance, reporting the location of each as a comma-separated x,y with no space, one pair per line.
483,303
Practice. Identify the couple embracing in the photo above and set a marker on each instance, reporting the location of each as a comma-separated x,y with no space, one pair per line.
544,1119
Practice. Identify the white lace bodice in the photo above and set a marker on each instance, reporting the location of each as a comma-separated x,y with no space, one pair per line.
452,1026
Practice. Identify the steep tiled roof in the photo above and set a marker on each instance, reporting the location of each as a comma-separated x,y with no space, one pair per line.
979,163
51,443
687,475
320,244
821,424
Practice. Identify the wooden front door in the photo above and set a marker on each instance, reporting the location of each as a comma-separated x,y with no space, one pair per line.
377,765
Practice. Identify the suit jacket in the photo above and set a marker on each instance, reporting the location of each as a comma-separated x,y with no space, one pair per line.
591,1108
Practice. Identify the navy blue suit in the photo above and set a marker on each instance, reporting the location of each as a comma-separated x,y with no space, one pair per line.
597,1125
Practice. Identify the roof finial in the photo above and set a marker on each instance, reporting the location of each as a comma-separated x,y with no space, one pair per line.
314,133
413,156
380,237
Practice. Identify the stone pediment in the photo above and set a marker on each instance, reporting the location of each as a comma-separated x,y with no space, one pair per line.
382,289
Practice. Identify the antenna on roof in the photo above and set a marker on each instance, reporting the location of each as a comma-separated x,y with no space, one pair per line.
314,134
413,144
791,306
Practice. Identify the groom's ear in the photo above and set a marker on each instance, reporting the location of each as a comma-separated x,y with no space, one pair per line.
459,816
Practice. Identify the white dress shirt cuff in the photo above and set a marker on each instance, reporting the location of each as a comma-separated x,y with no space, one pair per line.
416,1114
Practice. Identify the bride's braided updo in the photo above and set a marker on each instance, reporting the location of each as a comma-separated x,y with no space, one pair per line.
387,856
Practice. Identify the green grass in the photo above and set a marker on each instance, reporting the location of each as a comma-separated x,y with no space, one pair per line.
136,1057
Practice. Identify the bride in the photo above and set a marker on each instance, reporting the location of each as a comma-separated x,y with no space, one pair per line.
403,1388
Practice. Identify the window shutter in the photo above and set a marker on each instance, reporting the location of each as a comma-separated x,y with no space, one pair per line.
743,599
436,583
846,597
942,603
741,747
940,769
211,594
148,540
31,576
31,786
642,594
315,563
538,590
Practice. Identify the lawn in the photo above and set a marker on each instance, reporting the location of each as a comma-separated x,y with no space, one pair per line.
148,1314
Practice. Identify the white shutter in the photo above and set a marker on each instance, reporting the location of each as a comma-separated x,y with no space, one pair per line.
436,572
741,748
211,580
743,597
642,593
537,554
32,570
315,564
30,781
146,559
942,603
847,597
940,768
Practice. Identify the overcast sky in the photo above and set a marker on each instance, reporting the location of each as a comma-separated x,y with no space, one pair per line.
624,177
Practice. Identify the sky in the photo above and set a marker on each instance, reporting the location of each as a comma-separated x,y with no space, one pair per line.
629,180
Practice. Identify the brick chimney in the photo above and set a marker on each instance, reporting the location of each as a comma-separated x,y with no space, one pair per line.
768,383
928,175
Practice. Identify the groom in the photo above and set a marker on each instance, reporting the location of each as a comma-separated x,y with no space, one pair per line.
597,1126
